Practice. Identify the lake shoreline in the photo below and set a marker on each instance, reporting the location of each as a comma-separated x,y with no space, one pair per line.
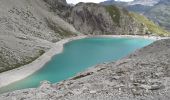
131,36
20,73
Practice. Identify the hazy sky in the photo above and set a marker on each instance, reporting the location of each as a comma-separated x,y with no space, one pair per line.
96,1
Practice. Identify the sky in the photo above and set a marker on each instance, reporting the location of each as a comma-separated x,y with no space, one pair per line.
95,1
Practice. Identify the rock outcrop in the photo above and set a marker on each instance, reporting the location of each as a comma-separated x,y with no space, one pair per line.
143,75
90,18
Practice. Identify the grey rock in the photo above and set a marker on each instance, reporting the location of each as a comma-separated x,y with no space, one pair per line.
90,18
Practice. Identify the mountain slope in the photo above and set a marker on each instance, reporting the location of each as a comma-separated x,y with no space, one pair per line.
160,13
25,33
156,10
92,18
144,2
152,27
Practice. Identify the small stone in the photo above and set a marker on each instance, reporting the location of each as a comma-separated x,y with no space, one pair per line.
93,91
157,87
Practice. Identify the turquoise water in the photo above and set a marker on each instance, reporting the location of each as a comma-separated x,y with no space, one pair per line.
77,56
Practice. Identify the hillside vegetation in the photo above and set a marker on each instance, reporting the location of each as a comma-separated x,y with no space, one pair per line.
152,27
156,10
160,13
114,13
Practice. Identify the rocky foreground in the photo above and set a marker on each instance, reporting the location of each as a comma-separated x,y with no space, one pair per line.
143,75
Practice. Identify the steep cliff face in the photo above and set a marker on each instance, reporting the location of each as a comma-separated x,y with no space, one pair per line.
92,18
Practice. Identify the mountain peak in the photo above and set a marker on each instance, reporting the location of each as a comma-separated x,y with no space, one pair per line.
144,2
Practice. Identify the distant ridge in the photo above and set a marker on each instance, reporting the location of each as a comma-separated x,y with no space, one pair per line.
156,10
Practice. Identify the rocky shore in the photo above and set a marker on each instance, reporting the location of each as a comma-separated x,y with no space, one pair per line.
143,75
20,73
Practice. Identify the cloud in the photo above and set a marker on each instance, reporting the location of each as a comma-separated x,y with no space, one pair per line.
95,1
77,1
124,0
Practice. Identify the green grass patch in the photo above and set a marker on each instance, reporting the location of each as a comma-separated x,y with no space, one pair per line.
152,27
114,13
